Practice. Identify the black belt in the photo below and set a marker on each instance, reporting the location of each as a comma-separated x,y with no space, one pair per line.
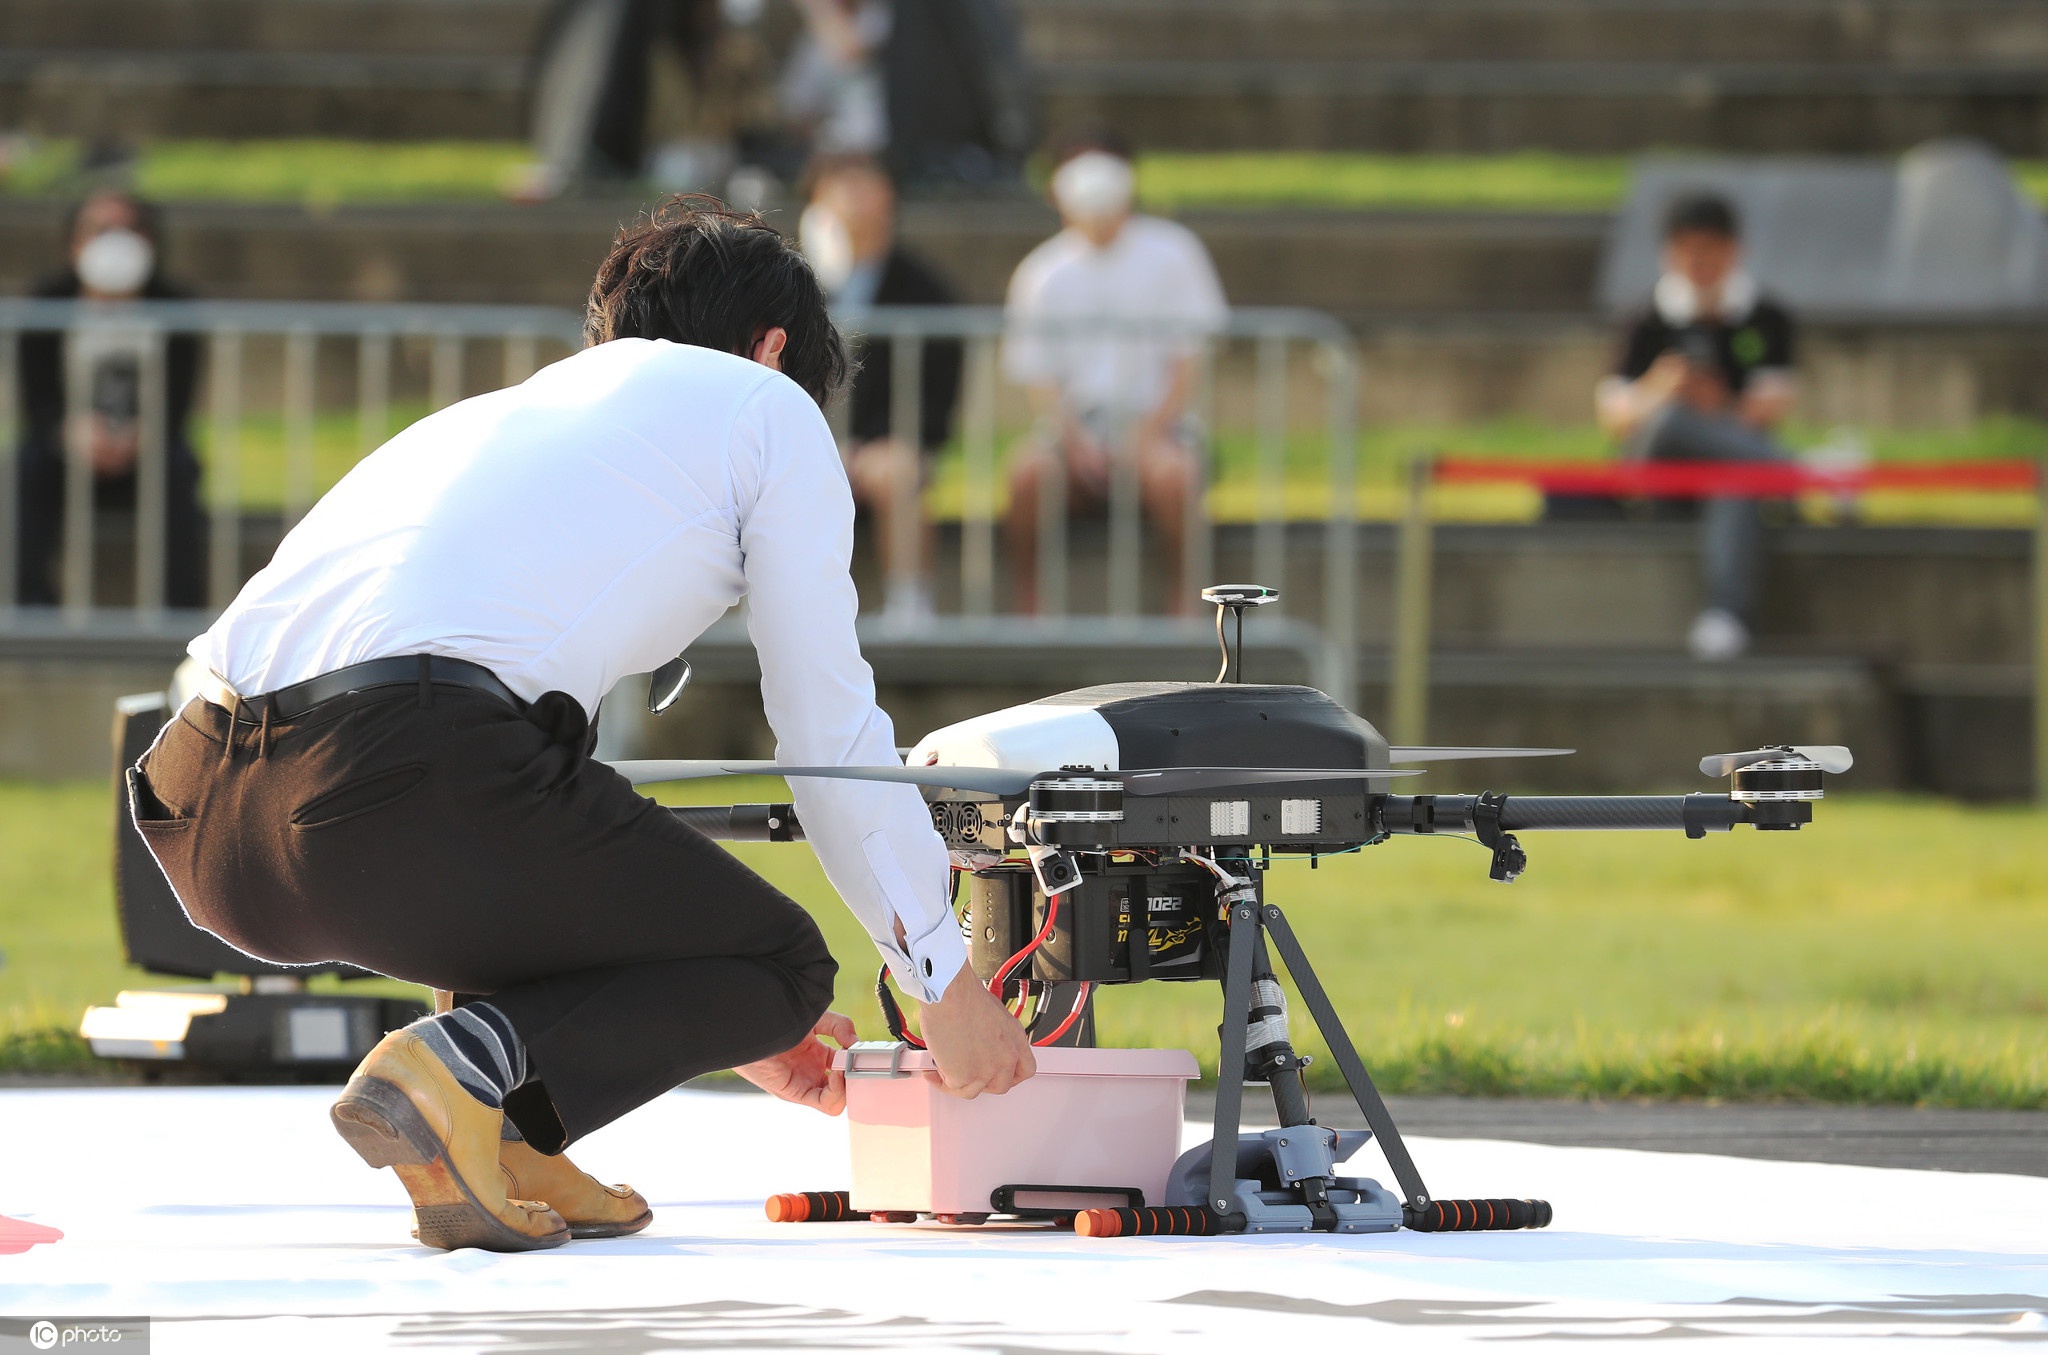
409,670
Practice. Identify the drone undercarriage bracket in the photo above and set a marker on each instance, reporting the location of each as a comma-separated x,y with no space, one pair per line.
1304,1192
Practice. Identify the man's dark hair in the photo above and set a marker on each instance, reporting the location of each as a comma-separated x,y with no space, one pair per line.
1093,136
694,271
1709,212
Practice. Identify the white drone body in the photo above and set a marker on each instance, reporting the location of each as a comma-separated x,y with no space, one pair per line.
1030,738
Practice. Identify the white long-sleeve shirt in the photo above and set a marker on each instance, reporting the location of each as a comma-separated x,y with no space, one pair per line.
1106,325
590,523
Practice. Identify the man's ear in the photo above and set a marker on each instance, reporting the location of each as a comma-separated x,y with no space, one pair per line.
768,348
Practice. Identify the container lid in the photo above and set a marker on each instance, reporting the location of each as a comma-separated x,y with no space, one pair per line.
878,1057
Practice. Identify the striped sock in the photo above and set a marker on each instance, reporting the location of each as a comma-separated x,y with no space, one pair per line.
479,1047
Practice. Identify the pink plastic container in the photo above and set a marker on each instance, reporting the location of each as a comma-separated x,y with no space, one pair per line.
1091,1117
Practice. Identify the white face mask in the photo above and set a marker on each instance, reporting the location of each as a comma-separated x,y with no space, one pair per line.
116,263
1094,186
828,245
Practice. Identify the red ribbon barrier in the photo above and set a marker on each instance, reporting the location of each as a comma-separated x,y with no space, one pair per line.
1709,479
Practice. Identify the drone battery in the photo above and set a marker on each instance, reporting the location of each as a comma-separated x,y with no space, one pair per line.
1096,1121
998,917
1094,941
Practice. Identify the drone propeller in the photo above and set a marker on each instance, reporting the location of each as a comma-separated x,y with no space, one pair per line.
1832,758
1463,754
993,780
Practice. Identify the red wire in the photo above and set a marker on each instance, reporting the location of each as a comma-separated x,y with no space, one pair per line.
1080,1005
1052,912
995,985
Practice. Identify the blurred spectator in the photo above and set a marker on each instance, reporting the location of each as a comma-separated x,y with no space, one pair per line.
935,88
832,87
961,111
849,233
1106,324
1705,374
114,257
594,78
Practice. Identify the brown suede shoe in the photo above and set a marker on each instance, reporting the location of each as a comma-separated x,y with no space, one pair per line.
404,1110
591,1209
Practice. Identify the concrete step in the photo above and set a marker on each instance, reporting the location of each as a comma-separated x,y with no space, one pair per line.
1893,597
1990,33
1584,107
1398,75
1389,262
1907,645
396,27
1947,606
1976,32
135,95
1605,108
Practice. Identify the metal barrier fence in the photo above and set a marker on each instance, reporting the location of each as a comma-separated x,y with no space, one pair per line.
227,332
1267,346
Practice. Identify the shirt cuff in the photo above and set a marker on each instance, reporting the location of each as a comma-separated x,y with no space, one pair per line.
929,963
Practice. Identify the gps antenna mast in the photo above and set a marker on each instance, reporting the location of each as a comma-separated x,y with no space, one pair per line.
1234,598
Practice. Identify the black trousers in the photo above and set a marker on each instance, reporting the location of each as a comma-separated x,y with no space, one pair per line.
40,517
448,840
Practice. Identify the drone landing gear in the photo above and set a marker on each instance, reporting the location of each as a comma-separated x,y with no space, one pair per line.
1286,1180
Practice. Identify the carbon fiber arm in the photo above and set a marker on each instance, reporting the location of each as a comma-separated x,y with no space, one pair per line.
1690,814
742,823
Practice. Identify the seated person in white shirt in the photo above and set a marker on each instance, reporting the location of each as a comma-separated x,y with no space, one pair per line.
1105,324
393,768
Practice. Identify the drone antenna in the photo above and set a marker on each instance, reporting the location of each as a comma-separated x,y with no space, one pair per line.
1234,598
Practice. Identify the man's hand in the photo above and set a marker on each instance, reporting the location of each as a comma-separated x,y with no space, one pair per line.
113,450
1704,388
977,1045
1665,379
805,1074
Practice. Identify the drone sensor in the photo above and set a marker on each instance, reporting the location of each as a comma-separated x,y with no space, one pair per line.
1301,817
1230,818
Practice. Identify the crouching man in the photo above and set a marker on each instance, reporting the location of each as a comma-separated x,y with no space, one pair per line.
394,767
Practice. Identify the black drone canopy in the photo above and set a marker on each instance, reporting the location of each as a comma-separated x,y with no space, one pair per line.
1209,724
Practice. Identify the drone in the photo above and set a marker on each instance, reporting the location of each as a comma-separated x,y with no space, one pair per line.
1121,834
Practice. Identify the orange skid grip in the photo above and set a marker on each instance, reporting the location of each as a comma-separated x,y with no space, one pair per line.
809,1206
1184,1221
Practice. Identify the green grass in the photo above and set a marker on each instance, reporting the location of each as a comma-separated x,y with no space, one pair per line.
316,172
1890,953
326,173
1525,181
1383,450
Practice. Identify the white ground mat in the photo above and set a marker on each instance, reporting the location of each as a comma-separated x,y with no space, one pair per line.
238,1221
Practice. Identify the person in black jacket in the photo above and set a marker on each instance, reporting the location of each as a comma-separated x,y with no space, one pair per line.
849,232
1704,373
113,238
